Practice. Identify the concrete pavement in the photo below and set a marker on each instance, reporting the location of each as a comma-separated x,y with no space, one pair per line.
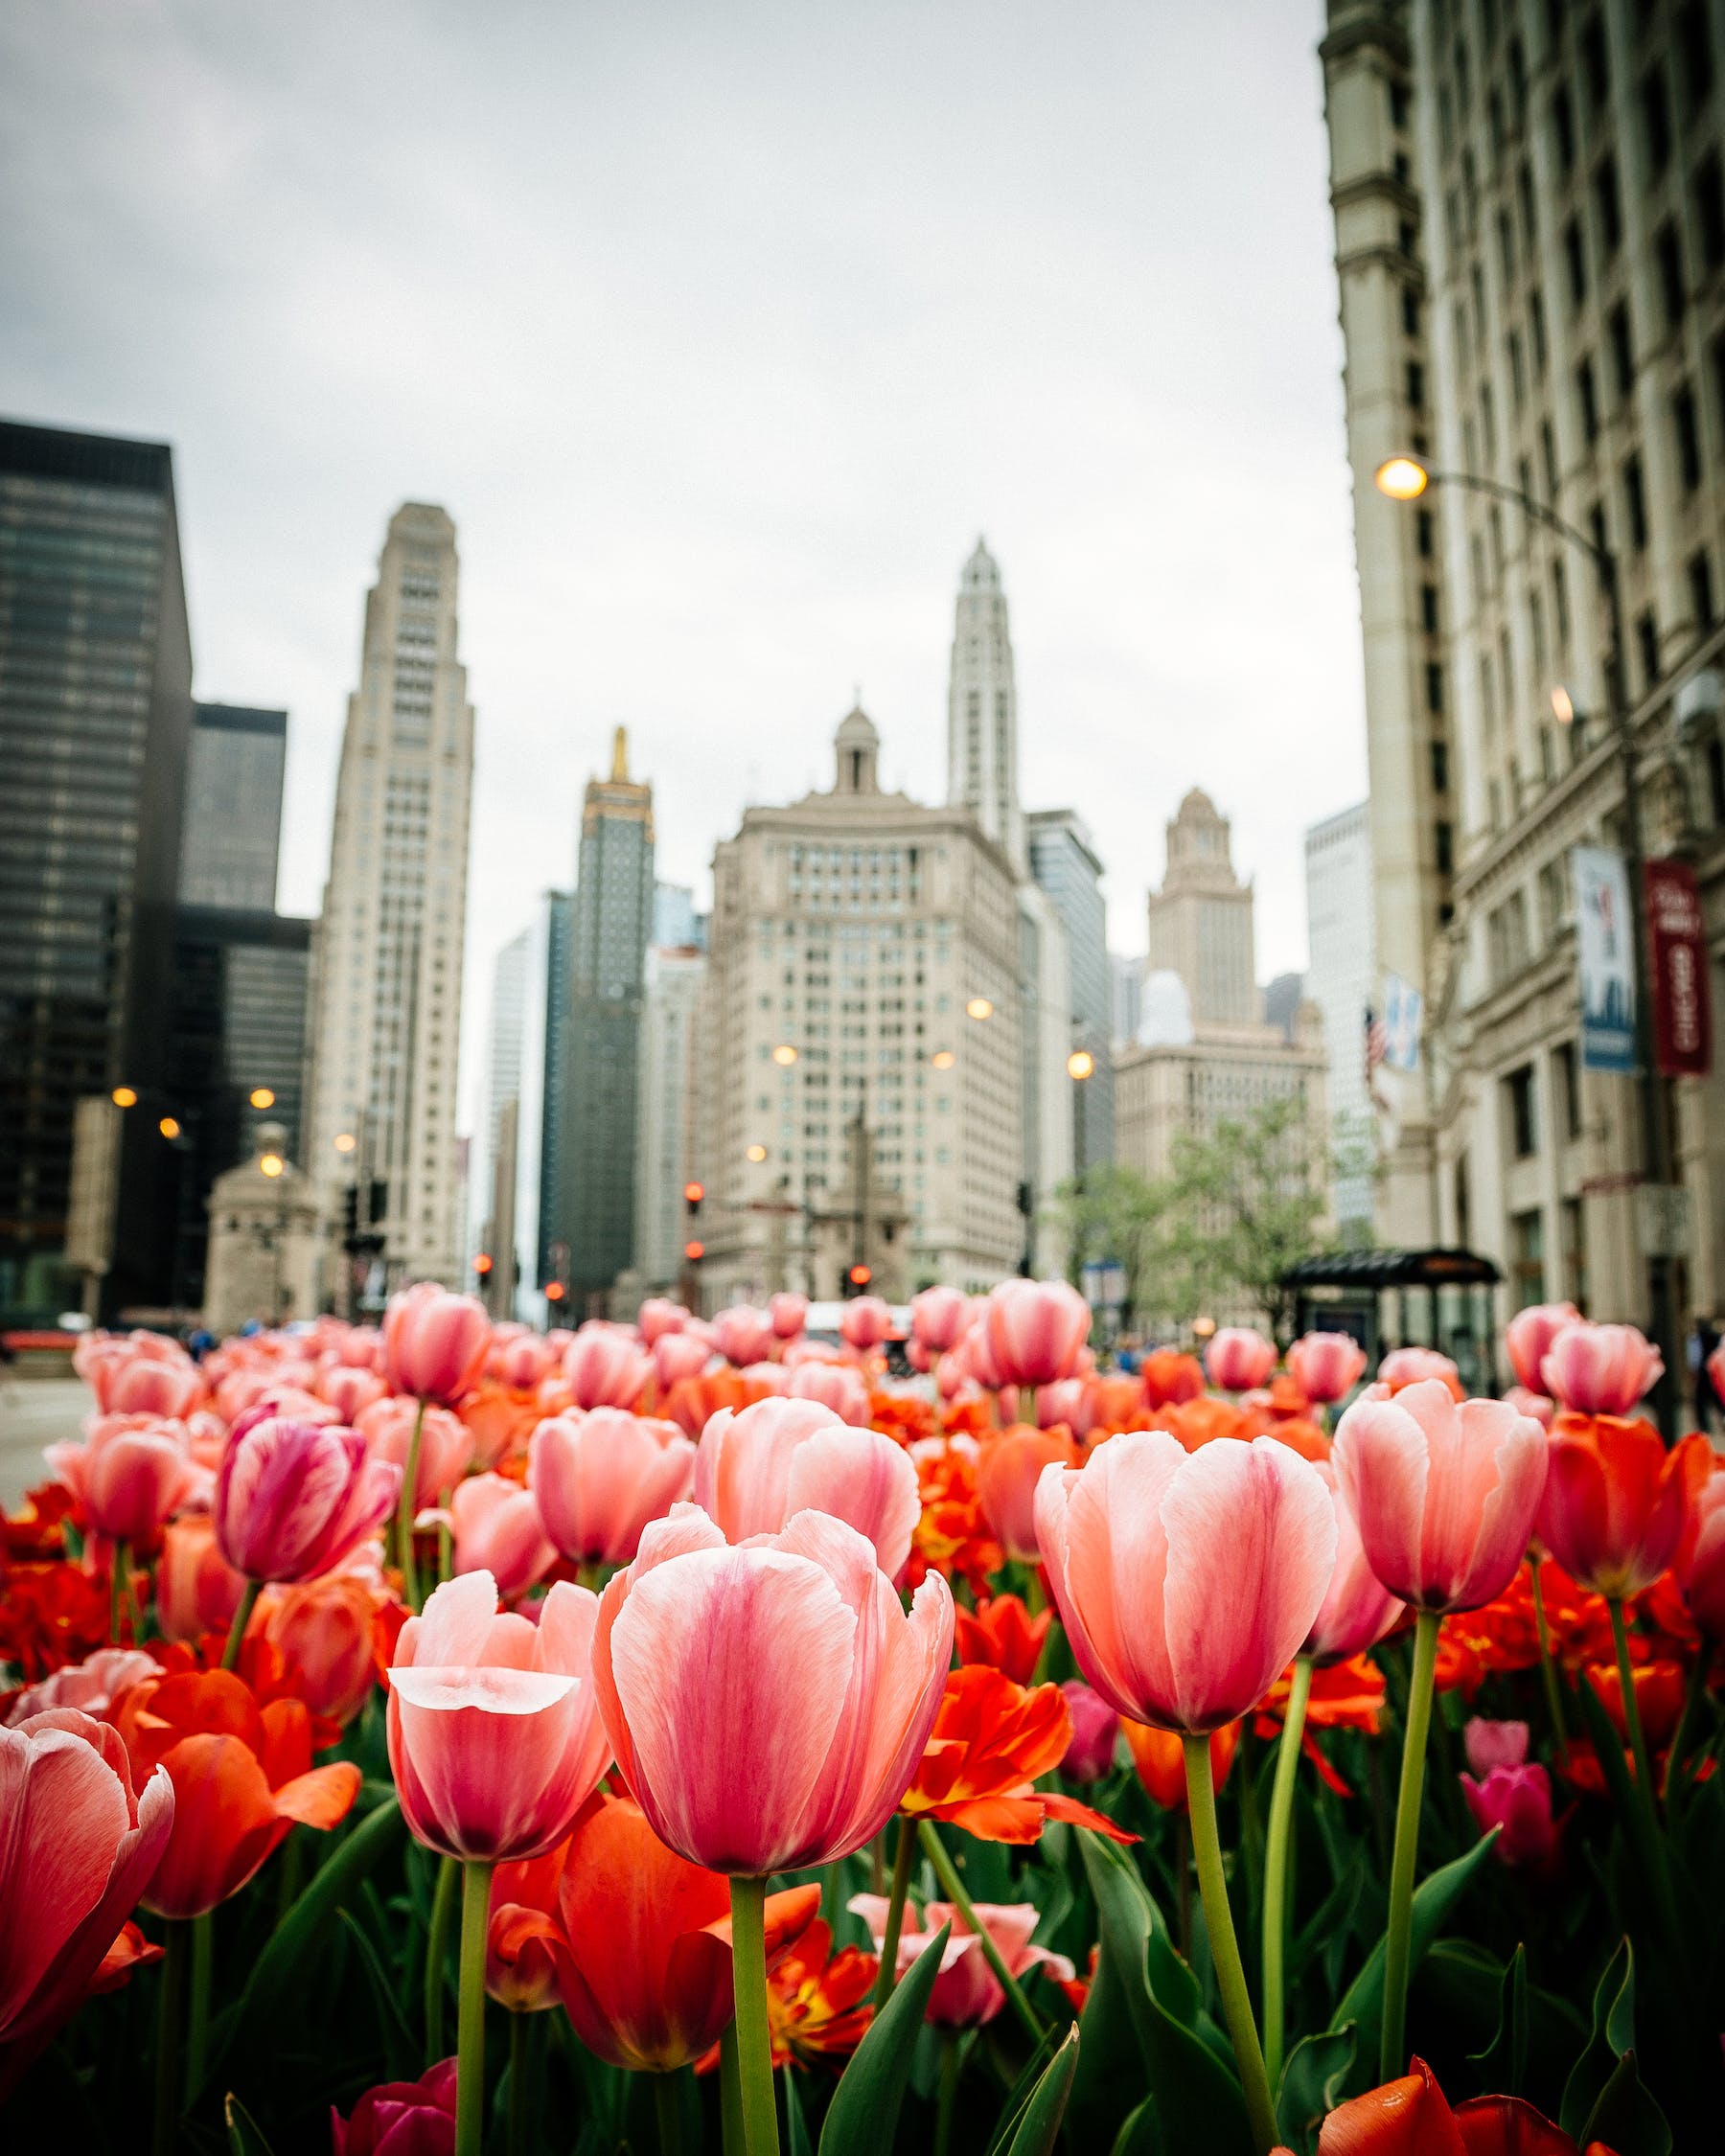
34,1412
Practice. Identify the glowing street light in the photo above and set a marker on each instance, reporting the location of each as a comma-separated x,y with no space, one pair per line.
1403,478
271,1164
123,1096
168,1126
262,1097
345,1141
1563,705
943,1059
784,1055
756,1153
1080,1064
978,1007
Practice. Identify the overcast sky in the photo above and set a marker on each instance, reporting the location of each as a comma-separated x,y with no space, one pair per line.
722,330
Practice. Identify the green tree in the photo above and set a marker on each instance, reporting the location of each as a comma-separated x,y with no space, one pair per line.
1112,1216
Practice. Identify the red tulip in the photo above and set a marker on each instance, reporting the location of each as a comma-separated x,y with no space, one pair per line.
525,1944
1187,1582
1616,1501
939,1318
1008,1470
755,1471
836,1385
1326,1366
658,1317
1034,1331
598,1479
864,1322
1358,1609
991,1743
1002,1635
789,1314
1518,1799
743,1334
1529,1337
434,1344
402,2117
1159,1759
768,1705
132,1474
1170,1378
446,1445
78,1851
243,1779
1699,1565
605,1369
493,1736
1601,1369
1095,1734
326,1631
1412,2118
1238,1359
498,1529
294,1501
1445,1494
197,1590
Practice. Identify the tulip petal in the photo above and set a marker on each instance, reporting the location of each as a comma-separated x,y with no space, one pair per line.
862,1477
1382,1464
63,1811
1113,1555
322,1798
454,1624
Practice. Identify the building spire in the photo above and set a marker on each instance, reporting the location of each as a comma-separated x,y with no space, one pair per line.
620,756
983,709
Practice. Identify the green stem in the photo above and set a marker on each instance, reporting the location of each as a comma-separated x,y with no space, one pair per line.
1225,1947
248,1600
406,1505
1183,1884
947,1873
1275,1867
1645,1823
1036,1601
1548,1668
1399,1938
520,2029
730,2093
437,1957
667,2105
948,2090
114,1564
197,2019
902,1863
171,2018
470,2038
445,1549
754,2035
1686,1722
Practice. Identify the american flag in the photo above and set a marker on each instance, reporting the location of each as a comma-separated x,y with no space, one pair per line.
1377,1041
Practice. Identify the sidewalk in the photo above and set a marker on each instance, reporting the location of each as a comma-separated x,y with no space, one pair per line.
34,1412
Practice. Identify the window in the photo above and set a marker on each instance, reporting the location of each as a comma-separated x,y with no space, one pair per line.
1524,1130
1536,331
1708,189
1398,106
1416,384
1563,133
1526,1256
1518,387
1433,688
1574,254
1547,450
1575,1251
1427,534
1623,350
1610,208
1443,849
1587,401
1506,232
1428,608
1523,188
1700,584
1566,1084
1595,65
1695,41
1686,428
1647,638
1439,766
1656,121
1410,302
1668,249
1635,502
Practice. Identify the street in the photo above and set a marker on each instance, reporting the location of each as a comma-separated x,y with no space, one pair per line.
34,1412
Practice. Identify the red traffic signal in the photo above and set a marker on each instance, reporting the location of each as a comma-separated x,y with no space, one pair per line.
860,1275
482,1264
555,1291
693,1194
694,1250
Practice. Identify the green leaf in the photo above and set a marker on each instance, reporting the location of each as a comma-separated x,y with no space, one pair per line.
244,2135
796,2132
1504,2062
1038,2126
1604,2097
400,2047
1140,2135
1363,2001
1311,2082
1608,1749
1110,2059
1006,2125
260,2004
863,2113
1626,2119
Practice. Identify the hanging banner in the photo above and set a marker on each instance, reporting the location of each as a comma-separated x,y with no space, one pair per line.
1403,1009
1682,1013
1605,945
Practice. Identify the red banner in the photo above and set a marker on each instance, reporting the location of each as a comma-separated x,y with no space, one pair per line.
1682,1016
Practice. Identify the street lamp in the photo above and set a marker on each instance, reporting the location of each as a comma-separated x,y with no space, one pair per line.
1080,1064
784,1055
261,1097
943,1059
1403,478
978,1007
123,1097
345,1141
757,1154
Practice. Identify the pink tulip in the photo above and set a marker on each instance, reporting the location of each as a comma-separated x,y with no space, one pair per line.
499,1530
598,1480
680,1355
1186,1581
605,1369
292,1500
756,1470
362,1346
1601,1369
131,1476
165,1389
1063,1403
401,2118
1529,1337
1517,1800
197,1590
493,1740
836,1385
797,1352
1095,1733
1326,1366
350,1392
446,1445
789,1314
1034,1332
763,1378
864,1322
1237,1359
1489,1745
1699,1565
768,1705
1417,1366
657,1317
1538,1405
743,1334
434,1344
966,1993
325,1629
78,1852
1445,1494
523,1363
1358,1610
939,1318
91,1686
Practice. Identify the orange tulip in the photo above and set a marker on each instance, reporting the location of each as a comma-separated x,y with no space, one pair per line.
1170,1377
991,1740
243,1779
1200,1422
525,1945
1616,1501
1002,1635
1160,1758
1006,1476
1411,2117
325,1632
499,1420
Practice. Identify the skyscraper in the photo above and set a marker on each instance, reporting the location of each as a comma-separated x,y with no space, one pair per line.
389,947
95,710
1201,919
1064,864
232,825
1342,984
612,924
982,710
665,1154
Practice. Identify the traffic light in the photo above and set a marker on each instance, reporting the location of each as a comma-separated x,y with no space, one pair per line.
482,1264
857,1280
693,1194
350,1217
694,1251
